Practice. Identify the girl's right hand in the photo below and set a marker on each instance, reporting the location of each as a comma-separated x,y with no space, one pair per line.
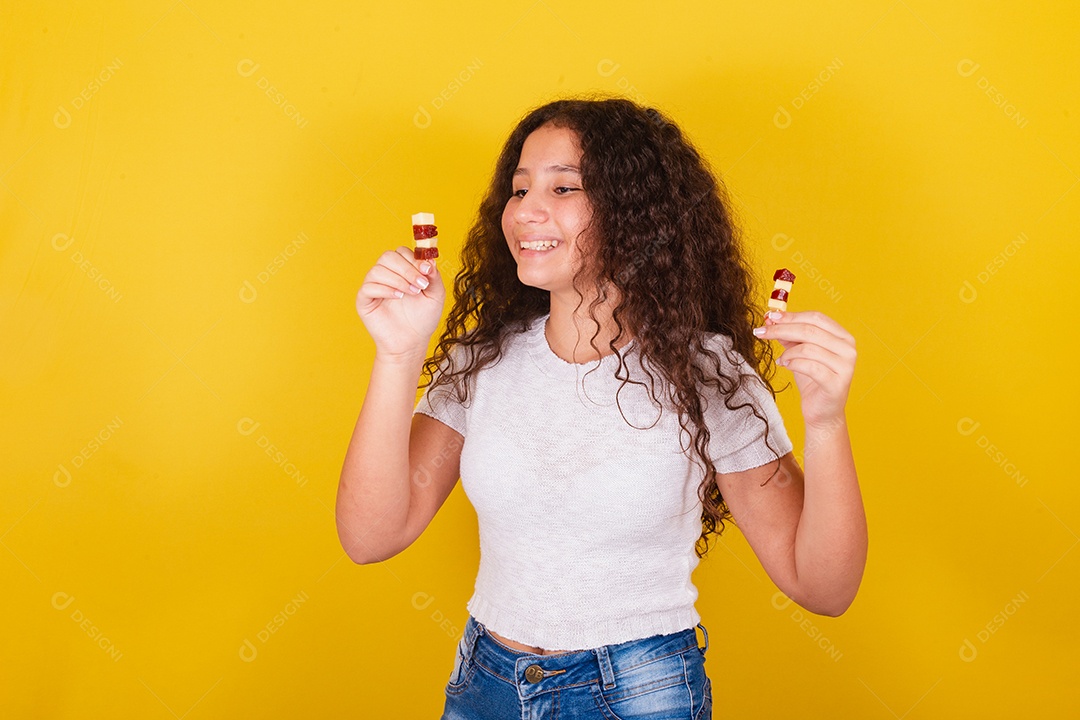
401,326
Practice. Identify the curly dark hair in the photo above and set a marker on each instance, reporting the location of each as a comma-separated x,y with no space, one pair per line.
661,228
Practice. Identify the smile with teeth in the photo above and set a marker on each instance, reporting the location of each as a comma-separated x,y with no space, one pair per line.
540,245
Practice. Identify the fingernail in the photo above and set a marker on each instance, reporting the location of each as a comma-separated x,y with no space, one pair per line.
425,268
759,331
414,289
773,315
422,282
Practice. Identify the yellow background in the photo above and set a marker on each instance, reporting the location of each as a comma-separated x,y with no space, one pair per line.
191,193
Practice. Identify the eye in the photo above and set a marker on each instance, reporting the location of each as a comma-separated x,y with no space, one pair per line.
519,193
567,189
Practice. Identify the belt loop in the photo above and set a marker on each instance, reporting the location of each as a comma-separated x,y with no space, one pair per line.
607,674
706,648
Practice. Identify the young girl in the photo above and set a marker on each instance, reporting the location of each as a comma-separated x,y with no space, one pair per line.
601,390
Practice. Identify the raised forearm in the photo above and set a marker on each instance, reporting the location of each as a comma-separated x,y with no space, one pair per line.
373,491
831,541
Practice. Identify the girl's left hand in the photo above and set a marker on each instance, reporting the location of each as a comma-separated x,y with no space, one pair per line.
821,355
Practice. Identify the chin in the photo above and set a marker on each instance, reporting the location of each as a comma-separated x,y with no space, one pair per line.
539,283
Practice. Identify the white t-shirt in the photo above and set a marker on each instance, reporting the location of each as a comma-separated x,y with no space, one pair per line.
587,525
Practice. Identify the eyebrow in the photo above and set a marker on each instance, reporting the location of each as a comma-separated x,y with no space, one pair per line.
556,168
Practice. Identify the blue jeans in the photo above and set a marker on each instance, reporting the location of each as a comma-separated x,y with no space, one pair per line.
660,677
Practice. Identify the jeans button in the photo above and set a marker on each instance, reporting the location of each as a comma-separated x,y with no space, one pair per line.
534,673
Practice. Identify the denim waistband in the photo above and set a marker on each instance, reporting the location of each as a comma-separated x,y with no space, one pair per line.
538,674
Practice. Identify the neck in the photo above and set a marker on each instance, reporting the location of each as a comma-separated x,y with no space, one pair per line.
568,333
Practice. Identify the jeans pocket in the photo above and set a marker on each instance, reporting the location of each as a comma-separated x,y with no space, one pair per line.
657,688
459,675
706,706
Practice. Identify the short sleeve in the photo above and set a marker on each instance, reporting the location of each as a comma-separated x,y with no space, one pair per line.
442,404
737,437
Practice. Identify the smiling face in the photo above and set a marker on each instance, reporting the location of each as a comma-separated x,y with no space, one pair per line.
547,204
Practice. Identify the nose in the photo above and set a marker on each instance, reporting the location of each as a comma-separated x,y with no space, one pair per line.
531,208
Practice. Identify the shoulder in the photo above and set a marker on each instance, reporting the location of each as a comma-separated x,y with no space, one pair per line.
468,357
738,376
732,361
